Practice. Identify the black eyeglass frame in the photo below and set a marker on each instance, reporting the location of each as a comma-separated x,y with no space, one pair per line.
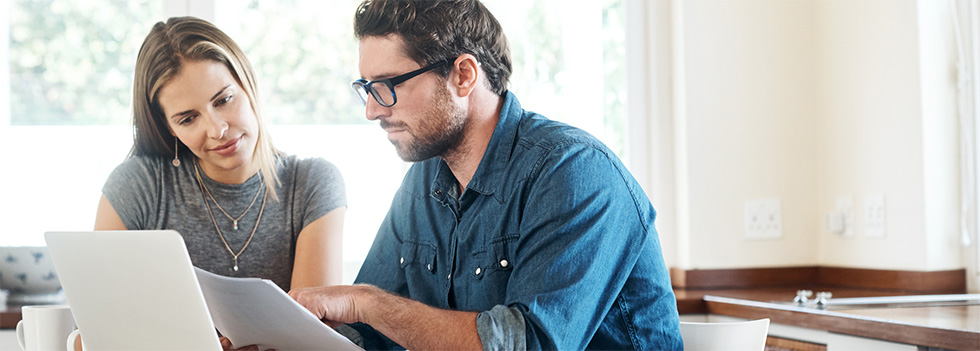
362,87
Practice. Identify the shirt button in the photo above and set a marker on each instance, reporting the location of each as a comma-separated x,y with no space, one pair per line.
478,270
428,266
504,263
401,260
449,276
438,192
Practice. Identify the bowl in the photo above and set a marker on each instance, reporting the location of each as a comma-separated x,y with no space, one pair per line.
27,270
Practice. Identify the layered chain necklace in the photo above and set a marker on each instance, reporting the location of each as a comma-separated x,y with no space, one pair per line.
206,192
234,221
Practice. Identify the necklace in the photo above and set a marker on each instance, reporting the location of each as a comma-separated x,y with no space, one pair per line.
234,255
234,221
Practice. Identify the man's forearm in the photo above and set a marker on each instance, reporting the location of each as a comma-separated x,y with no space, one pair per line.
417,326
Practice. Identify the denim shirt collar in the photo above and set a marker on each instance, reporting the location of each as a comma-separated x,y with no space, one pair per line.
489,173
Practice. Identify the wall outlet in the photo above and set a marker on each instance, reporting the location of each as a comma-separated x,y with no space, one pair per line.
763,219
874,216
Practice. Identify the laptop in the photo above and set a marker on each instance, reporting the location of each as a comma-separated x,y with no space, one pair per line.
132,290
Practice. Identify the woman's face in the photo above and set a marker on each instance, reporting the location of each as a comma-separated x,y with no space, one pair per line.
210,113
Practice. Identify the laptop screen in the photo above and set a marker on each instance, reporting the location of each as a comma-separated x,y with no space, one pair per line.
132,290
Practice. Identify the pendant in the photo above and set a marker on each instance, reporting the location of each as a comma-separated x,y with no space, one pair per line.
176,162
235,224
235,267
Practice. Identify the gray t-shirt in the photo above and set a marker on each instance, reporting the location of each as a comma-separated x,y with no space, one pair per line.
150,193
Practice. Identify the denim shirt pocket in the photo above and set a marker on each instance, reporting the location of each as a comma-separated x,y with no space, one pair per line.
498,256
418,254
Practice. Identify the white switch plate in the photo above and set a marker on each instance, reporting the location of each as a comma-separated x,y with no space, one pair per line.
874,216
835,222
845,207
763,219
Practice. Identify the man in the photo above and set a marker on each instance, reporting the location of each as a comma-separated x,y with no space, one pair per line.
510,231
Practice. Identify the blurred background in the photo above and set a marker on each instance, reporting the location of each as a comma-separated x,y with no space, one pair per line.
65,116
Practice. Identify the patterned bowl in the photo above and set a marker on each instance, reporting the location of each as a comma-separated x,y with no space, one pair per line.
27,270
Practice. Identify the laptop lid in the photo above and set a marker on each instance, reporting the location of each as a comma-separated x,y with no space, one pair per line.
132,290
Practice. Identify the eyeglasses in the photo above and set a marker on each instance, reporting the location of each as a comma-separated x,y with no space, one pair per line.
383,90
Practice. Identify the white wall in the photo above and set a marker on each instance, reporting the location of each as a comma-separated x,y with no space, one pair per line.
745,129
871,128
809,101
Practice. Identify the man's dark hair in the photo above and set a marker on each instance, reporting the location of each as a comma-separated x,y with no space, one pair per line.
440,30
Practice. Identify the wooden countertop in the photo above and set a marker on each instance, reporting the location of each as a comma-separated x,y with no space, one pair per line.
769,292
948,327
9,316
691,301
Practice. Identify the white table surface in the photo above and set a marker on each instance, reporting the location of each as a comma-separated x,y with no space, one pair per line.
8,340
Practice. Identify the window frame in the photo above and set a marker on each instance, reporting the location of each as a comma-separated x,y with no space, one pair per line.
5,110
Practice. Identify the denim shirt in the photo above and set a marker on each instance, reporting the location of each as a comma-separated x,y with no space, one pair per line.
552,242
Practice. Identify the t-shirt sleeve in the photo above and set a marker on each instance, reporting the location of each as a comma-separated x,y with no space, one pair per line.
131,190
321,186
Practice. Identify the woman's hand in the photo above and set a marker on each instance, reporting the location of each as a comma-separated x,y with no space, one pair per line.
226,346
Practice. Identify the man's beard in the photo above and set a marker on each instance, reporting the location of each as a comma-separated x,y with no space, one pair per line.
439,131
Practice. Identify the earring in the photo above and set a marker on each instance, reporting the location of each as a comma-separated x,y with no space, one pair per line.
176,161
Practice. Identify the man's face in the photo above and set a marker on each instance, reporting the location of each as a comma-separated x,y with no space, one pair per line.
425,122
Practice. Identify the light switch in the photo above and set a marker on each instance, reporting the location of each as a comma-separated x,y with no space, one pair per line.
845,207
874,216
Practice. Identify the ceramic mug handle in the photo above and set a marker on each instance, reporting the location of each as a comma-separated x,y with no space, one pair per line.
70,343
20,335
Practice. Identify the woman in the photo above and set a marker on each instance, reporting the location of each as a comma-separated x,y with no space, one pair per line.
203,164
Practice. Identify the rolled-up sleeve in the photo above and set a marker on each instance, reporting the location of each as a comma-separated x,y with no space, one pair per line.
501,328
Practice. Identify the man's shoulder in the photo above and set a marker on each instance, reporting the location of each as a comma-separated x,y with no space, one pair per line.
537,131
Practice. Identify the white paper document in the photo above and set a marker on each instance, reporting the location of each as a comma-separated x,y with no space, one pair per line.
256,311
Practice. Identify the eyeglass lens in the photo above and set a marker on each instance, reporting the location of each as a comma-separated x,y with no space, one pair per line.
384,90
383,93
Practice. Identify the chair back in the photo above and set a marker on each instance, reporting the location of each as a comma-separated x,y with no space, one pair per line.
733,336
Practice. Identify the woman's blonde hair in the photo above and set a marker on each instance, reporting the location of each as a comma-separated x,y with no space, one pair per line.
160,60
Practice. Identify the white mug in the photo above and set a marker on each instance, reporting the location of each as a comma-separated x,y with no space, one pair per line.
44,327
70,344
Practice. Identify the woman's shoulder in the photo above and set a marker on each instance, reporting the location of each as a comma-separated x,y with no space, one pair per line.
306,165
137,172
140,165
309,169
314,175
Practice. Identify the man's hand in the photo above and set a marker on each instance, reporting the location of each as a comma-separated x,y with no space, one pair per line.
409,323
334,305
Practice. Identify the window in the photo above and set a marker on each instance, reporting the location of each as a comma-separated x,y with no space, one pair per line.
65,120
965,21
71,62
72,127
